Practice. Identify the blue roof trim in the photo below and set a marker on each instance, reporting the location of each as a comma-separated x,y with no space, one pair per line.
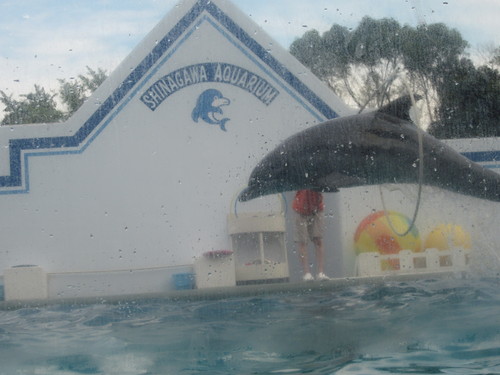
274,64
321,116
78,142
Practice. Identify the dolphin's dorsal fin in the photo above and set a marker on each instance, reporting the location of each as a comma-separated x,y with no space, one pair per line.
400,107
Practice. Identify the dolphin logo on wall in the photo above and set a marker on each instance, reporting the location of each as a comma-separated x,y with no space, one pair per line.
208,108
368,149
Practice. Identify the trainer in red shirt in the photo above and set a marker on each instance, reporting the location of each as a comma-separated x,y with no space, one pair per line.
309,223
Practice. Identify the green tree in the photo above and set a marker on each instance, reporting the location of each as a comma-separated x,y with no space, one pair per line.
470,102
363,67
428,50
495,60
74,93
36,107
375,48
356,64
41,107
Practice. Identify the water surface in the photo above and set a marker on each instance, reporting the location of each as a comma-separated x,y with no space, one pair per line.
440,326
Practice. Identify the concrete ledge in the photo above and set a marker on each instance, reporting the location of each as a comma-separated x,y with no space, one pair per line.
237,291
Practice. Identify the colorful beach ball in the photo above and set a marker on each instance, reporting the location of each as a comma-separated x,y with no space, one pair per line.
375,233
446,236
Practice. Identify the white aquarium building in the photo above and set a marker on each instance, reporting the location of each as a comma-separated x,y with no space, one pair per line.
137,191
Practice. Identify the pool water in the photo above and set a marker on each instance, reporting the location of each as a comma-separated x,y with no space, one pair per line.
440,326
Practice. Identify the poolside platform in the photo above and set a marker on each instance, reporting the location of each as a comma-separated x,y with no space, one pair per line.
219,293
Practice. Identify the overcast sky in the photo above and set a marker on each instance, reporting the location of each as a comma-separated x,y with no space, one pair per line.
42,40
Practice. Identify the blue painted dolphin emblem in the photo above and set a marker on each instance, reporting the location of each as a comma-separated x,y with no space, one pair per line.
208,108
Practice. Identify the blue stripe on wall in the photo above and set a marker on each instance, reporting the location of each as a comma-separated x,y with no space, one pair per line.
483,156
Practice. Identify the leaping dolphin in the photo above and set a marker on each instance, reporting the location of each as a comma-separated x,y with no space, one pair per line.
367,149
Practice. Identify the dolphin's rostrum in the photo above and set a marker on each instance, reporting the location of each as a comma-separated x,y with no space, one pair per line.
366,149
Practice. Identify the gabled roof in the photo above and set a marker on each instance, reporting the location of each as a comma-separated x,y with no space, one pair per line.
119,89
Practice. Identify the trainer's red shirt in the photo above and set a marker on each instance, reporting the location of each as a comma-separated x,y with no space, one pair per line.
307,202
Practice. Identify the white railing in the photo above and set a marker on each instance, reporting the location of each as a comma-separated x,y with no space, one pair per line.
409,262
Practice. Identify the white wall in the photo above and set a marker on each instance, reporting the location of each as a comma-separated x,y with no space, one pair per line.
152,188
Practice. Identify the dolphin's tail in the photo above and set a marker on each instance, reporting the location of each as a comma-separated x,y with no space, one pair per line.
222,124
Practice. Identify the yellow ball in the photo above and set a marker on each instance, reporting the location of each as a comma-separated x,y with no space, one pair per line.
375,234
446,236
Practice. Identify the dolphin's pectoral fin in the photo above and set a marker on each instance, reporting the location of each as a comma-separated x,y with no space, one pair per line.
333,181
